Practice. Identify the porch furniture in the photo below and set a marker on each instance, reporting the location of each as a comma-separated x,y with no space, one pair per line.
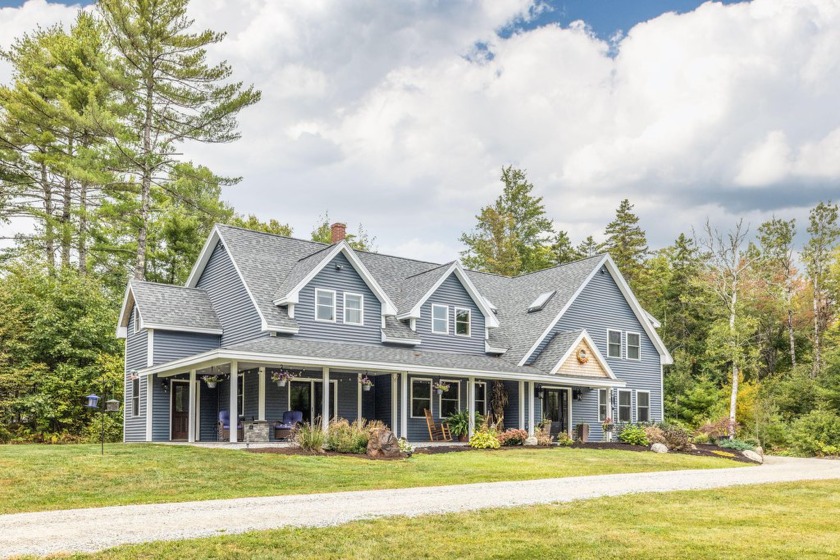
437,432
224,427
283,429
256,431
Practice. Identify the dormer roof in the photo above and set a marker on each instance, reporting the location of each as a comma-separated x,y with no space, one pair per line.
168,307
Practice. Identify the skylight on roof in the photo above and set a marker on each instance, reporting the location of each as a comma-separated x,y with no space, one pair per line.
541,301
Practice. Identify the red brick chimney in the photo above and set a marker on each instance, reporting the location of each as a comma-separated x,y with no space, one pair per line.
338,232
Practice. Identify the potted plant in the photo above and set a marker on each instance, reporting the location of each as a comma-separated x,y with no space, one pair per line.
282,377
211,380
366,382
608,425
459,424
441,387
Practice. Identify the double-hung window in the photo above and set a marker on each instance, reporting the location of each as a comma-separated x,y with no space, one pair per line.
325,305
136,320
613,344
421,397
450,400
354,309
602,405
642,406
440,319
241,394
135,397
634,346
625,413
462,321
481,397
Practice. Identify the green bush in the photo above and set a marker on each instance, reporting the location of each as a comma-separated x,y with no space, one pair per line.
459,422
564,440
485,439
310,437
513,437
676,438
736,444
817,433
344,437
633,435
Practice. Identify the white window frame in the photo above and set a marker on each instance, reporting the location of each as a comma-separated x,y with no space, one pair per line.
240,389
361,309
627,345
440,397
603,403
411,396
629,406
648,406
312,382
446,317
619,344
334,305
469,321
135,397
483,384
136,319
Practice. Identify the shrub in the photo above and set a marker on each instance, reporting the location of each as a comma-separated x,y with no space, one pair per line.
676,438
817,433
485,439
543,435
513,437
459,422
717,429
345,437
736,444
564,440
655,434
310,437
406,447
633,435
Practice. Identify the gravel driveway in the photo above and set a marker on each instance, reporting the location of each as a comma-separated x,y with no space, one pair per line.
96,529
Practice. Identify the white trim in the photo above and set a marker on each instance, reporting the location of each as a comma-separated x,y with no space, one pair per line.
618,420
150,402
361,309
491,350
358,397
484,384
135,396
150,348
661,393
191,416
627,346
654,322
122,324
242,399
334,305
457,383
177,328
394,406
325,400
312,381
388,307
404,341
198,411
650,416
137,319
489,317
404,400
530,409
606,404
470,405
219,356
469,321
261,393
620,344
172,383
521,405
584,336
431,395
438,306
233,401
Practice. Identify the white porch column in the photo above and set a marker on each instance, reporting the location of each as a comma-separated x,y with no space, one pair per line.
325,402
404,401
471,406
359,398
150,401
521,405
234,400
608,435
191,408
530,408
394,416
261,394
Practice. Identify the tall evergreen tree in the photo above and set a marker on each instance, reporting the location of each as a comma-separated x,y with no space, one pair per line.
589,247
562,250
627,244
167,94
777,259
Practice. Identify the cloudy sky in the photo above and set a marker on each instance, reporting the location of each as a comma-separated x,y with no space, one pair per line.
400,114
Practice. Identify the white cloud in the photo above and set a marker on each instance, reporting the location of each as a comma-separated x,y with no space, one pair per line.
388,113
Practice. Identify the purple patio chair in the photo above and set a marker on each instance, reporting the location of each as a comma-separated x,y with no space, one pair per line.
283,429
224,427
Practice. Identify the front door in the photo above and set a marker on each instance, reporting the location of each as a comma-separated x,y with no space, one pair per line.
180,411
556,410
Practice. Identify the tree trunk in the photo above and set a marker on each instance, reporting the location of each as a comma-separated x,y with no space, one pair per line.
66,213
791,337
145,186
83,228
733,399
815,369
49,232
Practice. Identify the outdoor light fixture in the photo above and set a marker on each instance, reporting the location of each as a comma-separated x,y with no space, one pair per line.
164,383
577,394
538,391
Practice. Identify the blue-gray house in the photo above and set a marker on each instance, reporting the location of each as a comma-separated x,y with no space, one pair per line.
571,344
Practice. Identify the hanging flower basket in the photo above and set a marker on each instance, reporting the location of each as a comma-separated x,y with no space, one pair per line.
211,380
608,425
282,377
365,382
441,387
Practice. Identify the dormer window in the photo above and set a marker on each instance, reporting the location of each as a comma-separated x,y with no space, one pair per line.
462,321
440,319
325,305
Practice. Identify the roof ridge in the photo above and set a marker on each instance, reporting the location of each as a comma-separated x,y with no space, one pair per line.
431,269
180,287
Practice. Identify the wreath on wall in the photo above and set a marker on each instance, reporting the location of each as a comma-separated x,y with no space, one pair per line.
582,356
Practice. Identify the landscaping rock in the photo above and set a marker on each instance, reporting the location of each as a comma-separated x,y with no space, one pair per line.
693,447
753,456
760,450
383,443
659,448
531,441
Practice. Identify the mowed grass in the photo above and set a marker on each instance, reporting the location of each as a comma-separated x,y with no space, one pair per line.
36,478
799,521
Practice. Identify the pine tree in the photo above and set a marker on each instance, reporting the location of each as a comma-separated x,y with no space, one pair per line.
562,250
167,94
627,244
589,248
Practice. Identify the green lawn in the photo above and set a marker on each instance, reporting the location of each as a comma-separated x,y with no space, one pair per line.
799,521
40,477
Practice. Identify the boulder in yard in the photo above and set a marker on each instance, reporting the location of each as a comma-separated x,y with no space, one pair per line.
383,443
531,441
659,448
753,456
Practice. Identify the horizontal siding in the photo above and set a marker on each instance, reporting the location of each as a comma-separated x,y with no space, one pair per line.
341,281
209,399
160,411
452,294
136,348
512,409
382,399
171,345
233,306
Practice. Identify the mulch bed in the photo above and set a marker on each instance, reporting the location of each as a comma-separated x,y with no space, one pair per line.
701,451
299,451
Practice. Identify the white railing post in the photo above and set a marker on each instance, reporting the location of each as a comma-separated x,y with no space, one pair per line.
261,394
191,408
471,406
234,401
530,409
404,401
325,402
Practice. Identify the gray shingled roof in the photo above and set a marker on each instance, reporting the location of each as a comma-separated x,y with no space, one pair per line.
382,354
174,306
555,349
414,287
299,271
398,329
